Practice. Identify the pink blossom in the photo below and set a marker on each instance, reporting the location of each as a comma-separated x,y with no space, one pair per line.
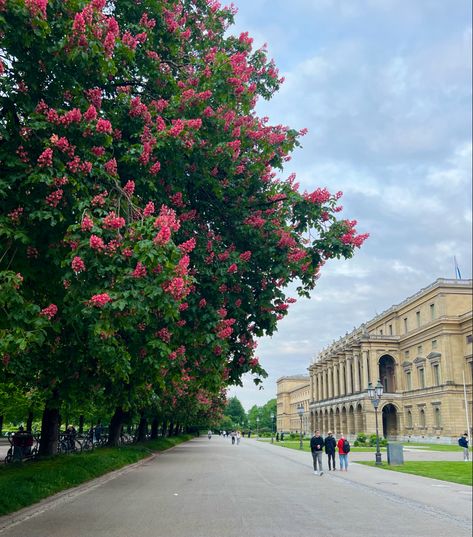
54,198
15,215
155,168
245,256
78,265
37,8
188,246
129,188
103,125
232,268
164,334
140,270
163,236
87,223
91,114
111,167
50,311
112,221
202,303
100,300
46,158
149,209
96,243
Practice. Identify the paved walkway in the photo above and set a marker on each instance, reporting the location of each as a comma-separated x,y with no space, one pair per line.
209,488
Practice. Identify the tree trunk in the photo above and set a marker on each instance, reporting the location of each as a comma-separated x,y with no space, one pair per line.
142,429
29,422
115,428
50,427
164,428
154,428
81,424
171,428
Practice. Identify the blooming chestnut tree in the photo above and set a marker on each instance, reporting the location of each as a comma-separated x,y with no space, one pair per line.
145,221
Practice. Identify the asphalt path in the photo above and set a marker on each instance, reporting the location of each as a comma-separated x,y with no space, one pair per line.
210,488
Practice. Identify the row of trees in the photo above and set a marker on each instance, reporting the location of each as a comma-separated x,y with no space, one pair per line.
147,236
258,418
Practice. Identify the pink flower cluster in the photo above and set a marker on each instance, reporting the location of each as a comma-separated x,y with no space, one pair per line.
45,160
176,288
37,8
140,270
50,311
15,215
78,264
96,243
149,209
188,246
54,198
164,334
100,300
112,221
87,223
129,188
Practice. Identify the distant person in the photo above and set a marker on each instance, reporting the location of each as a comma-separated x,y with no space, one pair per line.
233,437
71,434
22,443
316,447
277,437
238,438
209,434
343,450
463,442
282,437
330,445
98,431
249,434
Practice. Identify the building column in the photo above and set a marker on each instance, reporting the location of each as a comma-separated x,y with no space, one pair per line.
336,383
349,363
341,379
366,379
324,384
356,377
330,381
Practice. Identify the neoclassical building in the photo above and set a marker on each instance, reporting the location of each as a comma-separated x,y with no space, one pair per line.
421,351
291,393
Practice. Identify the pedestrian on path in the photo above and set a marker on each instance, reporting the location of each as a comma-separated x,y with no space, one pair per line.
343,449
330,445
238,438
316,447
463,442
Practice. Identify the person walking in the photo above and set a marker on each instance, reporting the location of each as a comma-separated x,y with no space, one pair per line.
330,445
343,449
238,438
316,447
463,442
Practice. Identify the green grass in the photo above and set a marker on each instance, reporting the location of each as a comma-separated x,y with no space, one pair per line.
434,447
454,472
23,484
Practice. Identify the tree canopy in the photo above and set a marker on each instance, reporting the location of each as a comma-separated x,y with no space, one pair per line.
147,232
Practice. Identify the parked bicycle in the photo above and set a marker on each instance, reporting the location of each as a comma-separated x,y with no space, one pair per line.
23,446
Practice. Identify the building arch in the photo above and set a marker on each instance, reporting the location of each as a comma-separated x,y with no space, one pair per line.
387,372
351,421
390,421
343,421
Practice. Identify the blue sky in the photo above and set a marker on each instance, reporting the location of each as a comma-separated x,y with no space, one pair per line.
384,87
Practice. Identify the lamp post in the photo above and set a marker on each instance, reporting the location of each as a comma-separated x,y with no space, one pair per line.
300,411
257,426
375,393
272,427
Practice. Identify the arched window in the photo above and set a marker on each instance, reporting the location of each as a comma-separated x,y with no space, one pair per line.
422,418
409,418
437,418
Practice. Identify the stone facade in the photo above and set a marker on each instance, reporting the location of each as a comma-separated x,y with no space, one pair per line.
291,392
420,350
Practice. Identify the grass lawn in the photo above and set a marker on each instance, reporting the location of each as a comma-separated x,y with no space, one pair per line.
455,472
23,484
434,447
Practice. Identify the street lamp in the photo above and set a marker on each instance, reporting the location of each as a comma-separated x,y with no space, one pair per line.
375,393
300,411
257,424
272,427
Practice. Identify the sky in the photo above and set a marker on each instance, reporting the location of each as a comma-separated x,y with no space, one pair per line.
384,88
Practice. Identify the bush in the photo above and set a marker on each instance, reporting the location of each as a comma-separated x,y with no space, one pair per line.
361,439
372,441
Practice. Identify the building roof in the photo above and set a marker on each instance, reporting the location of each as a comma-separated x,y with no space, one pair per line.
294,377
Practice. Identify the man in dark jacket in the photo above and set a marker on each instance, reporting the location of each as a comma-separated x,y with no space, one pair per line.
463,442
330,444
316,447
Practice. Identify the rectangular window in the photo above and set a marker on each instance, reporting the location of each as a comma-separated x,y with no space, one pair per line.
381,332
406,355
405,325
436,371
418,319
432,311
408,380
390,327
434,344
469,338
421,377
419,350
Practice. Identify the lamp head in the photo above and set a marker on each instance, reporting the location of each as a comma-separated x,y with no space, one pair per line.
379,390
